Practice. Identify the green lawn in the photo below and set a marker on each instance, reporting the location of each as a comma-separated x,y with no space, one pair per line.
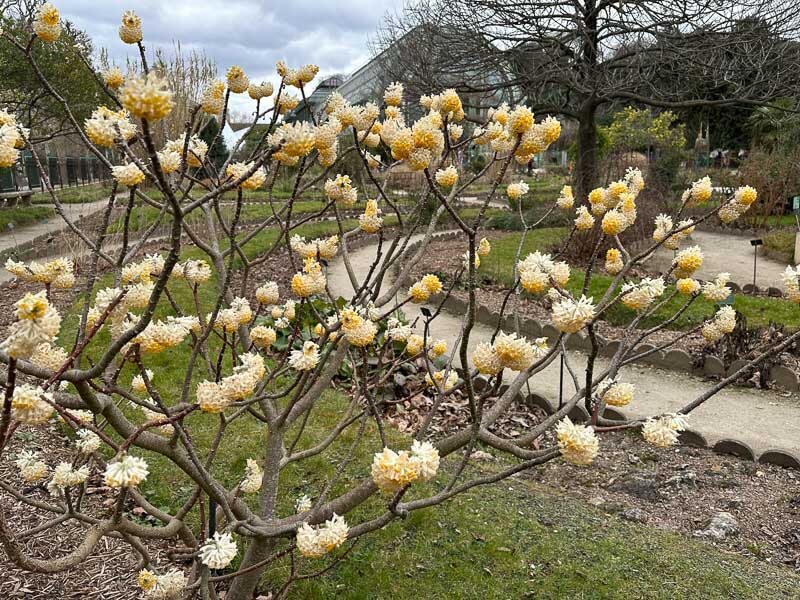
510,540
75,195
19,216
499,266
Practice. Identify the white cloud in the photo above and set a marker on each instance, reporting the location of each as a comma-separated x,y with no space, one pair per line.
251,33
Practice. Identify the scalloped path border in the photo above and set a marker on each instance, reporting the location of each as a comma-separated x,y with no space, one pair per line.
761,420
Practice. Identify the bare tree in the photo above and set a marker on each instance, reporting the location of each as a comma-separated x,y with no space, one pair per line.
574,57
264,370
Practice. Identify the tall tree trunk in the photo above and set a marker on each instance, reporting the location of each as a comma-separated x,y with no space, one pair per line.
585,176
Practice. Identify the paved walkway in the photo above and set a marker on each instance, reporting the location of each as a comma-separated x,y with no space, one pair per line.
726,252
11,238
761,419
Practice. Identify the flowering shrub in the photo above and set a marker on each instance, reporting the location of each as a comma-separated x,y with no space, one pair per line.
266,356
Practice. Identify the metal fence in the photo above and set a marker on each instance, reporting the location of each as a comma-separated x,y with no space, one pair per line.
62,172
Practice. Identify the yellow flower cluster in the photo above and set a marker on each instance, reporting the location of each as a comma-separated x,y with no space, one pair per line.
106,126
584,220
687,261
12,138
578,443
566,199
297,77
617,393
113,77
723,323
37,323
324,248
743,199
371,221
664,231
341,191
508,351
238,170
357,330
305,359
30,405
638,296
537,270
442,380
791,284
260,90
422,290
717,290
196,150
147,97
614,262
262,336
162,335
515,191
46,24
314,542
214,397
311,281
447,177
268,293
237,80
59,272
392,471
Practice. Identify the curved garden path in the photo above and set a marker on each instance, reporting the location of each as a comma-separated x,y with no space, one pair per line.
726,252
762,419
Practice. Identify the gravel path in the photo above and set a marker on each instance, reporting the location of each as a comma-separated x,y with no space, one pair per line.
762,419
14,237
726,252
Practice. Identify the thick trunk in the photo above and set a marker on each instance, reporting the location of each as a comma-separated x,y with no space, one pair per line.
586,163
244,586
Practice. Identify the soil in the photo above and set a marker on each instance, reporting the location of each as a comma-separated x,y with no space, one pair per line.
677,489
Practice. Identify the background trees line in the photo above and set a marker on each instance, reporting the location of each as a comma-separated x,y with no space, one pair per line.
578,59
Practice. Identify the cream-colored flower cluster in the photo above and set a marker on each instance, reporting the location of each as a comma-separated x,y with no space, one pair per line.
305,359
791,284
215,396
315,542
671,235
687,261
66,475
31,405
663,431
616,393
310,281
130,31
253,477
578,443
392,471
128,471
717,290
106,126
723,323
37,323
129,175
169,586
196,151
359,331
566,199
508,351
147,97
443,380
515,129
614,263
570,315
537,272
638,296
31,468
322,248
238,171
59,272
371,221
230,319
12,138
218,552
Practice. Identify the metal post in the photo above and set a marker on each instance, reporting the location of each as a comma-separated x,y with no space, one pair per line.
755,261
561,384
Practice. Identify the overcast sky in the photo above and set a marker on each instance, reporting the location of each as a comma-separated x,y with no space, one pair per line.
251,33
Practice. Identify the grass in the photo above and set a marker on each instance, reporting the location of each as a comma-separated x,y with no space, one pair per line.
75,195
511,540
758,311
19,216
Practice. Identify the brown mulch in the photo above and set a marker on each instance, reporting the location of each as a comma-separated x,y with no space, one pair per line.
678,489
